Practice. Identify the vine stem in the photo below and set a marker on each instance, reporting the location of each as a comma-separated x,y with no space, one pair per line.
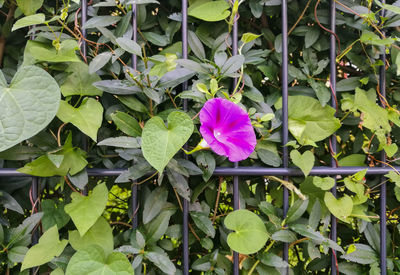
258,261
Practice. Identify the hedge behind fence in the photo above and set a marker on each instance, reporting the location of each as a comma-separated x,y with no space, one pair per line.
52,97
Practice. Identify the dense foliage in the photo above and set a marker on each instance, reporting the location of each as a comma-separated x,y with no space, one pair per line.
62,112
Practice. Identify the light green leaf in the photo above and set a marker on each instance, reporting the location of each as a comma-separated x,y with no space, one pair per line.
45,52
250,234
394,177
29,7
101,21
85,210
210,11
25,112
390,149
309,122
57,271
304,161
87,117
341,208
73,162
248,37
374,117
325,183
160,143
92,260
79,82
129,45
49,246
100,233
30,20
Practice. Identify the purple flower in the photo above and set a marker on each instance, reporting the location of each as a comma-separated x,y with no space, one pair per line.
227,129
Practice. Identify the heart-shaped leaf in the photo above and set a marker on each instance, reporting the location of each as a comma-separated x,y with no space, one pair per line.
87,117
160,143
92,260
85,210
27,105
340,208
49,246
250,234
324,183
304,161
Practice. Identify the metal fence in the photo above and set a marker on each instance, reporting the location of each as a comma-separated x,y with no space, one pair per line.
237,171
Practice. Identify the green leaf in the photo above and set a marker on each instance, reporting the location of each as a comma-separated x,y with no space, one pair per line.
99,62
101,21
17,254
353,160
79,81
374,117
390,149
162,261
203,222
296,210
154,204
25,112
284,235
53,214
100,233
309,122
248,37
210,11
158,226
121,142
85,210
44,52
73,162
160,143
127,124
129,45
87,117
324,183
30,20
49,246
271,259
250,234
29,7
360,253
304,161
394,177
341,208
58,271
92,260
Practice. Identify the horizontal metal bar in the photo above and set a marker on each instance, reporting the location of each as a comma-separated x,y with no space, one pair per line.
240,171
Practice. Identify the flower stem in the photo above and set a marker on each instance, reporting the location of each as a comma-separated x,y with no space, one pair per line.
258,261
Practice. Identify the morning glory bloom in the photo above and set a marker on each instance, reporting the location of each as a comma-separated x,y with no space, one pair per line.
227,129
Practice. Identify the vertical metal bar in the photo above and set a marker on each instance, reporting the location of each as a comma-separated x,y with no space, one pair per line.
84,54
332,55
382,91
134,189
83,31
185,206
285,115
236,204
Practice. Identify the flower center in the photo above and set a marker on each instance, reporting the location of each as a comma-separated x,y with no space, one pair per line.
218,135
